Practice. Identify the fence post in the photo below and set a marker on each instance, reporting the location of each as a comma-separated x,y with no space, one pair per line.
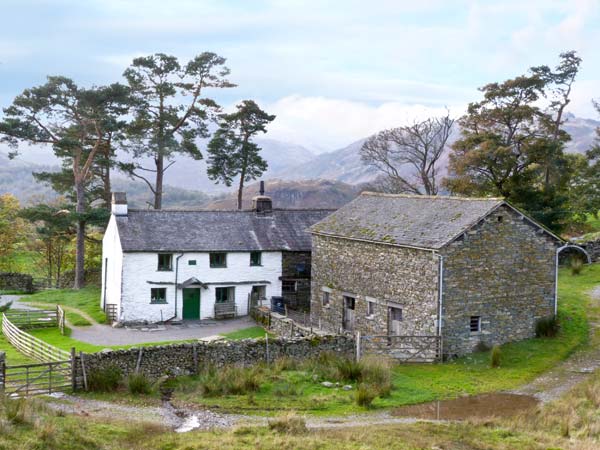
357,346
2,372
267,345
73,371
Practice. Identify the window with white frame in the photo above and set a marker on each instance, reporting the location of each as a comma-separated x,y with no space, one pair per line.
370,308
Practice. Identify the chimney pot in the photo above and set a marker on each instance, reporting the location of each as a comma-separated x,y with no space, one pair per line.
262,204
119,204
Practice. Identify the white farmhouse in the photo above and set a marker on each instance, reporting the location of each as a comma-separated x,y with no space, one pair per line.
161,265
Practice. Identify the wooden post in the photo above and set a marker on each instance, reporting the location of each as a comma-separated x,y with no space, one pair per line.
2,373
357,346
85,384
73,371
195,353
285,310
267,345
139,360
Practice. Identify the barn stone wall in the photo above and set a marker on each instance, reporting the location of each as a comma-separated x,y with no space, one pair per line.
10,281
296,266
180,359
385,275
502,270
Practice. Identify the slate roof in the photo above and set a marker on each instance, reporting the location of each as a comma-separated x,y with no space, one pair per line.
188,231
420,221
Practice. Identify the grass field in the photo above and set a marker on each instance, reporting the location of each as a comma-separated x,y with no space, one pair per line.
86,299
247,333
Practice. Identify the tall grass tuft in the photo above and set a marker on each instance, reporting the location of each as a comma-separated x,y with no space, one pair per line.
365,394
139,384
576,265
229,380
495,356
106,379
289,423
547,327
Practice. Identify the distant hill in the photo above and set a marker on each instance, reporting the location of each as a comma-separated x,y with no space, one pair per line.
295,194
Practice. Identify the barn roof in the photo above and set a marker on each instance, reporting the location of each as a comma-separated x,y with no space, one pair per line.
420,221
173,231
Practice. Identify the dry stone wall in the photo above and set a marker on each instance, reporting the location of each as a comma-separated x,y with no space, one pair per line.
502,271
186,358
10,281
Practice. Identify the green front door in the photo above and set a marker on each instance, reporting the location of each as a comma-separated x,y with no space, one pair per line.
191,304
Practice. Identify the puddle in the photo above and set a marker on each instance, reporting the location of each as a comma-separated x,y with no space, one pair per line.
190,423
469,407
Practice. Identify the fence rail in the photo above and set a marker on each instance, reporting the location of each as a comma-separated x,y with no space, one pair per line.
30,345
401,348
35,379
38,318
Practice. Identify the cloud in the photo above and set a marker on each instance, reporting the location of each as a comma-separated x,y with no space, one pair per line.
322,123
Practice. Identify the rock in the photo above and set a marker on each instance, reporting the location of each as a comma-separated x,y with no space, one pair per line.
347,387
327,384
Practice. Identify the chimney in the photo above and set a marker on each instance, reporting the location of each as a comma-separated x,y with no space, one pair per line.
119,204
262,204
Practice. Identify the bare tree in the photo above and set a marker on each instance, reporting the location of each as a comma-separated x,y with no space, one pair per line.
408,156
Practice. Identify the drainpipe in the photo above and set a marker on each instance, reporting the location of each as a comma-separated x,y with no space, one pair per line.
176,277
440,294
558,250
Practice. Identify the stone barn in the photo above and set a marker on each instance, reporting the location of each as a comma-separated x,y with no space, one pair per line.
467,270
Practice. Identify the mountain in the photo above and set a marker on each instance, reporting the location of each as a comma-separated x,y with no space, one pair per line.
295,194
345,164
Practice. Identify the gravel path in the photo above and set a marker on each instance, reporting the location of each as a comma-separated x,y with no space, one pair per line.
577,368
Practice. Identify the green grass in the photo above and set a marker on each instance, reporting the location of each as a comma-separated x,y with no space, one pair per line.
12,355
86,299
77,320
247,333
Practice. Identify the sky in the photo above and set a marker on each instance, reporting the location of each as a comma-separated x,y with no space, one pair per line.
332,71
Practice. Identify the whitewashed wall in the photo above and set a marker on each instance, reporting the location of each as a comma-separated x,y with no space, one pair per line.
112,263
140,268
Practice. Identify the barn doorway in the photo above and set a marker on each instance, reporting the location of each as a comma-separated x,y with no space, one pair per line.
348,315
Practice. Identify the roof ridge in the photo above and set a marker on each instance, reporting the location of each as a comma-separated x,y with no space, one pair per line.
226,210
431,197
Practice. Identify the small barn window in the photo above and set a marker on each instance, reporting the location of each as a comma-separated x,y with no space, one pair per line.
165,261
325,298
218,259
255,259
500,218
475,324
370,309
158,295
192,262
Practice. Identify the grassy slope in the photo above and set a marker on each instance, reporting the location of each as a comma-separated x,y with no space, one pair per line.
87,300
247,333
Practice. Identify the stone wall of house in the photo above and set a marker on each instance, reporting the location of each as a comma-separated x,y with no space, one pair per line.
388,276
502,270
11,281
180,359
297,266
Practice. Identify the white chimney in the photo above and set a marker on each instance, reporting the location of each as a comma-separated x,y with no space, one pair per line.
119,204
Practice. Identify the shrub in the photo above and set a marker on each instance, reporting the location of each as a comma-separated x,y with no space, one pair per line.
348,369
106,379
285,363
495,356
5,307
289,423
365,394
576,265
138,383
229,380
547,327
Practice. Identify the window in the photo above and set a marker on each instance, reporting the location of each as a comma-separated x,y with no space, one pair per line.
325,298
218,260
165,261
255,259
301,268
500,218
475,324
224,294
349,302
192,262
396,314
288,287
158,295
370,309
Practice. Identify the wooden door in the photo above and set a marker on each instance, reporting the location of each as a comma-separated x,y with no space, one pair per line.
394,321
348,316
191,304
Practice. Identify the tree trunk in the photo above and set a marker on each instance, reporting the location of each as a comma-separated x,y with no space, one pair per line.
241,190
106,177
160,162
80,239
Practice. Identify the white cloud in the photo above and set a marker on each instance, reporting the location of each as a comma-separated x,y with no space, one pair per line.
326,123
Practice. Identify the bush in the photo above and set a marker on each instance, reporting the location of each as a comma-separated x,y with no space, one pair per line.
107,379
547,327
15,411
5,307
495,356
139,384
289,423
576,265
365,394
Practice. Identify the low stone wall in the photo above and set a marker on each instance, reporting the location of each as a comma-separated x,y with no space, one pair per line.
286,327
12,281
592,247
182,359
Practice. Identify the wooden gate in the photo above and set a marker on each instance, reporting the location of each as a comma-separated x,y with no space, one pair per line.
416,349
36,379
